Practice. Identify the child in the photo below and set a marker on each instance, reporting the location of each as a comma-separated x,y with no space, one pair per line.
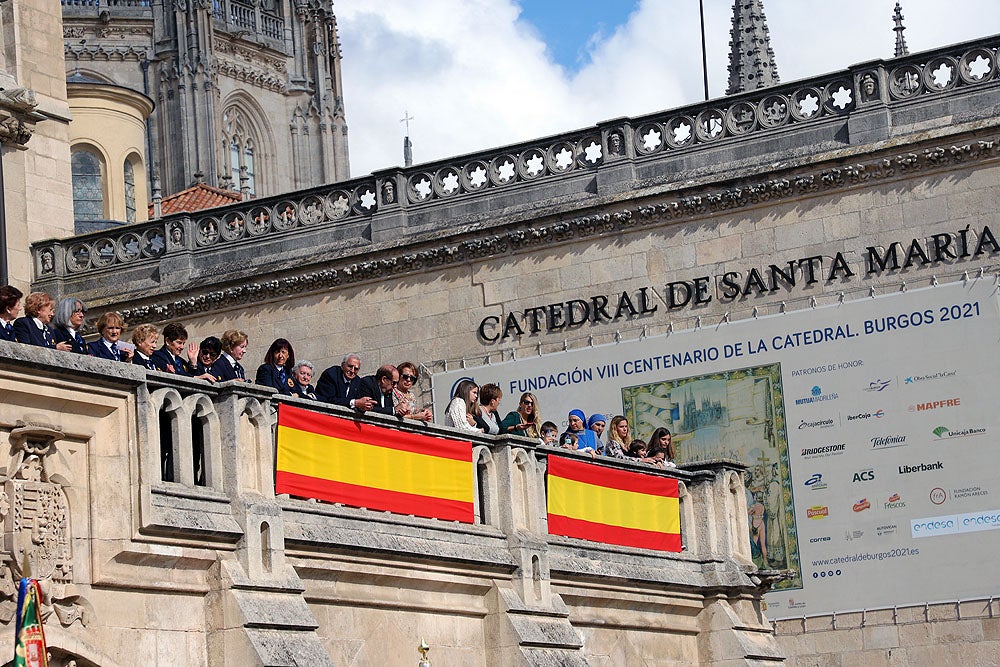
550,434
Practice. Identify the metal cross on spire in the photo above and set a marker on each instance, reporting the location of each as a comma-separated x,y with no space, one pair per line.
897,18
407,118
407,144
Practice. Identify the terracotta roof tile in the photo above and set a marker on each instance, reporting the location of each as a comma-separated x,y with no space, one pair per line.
196,198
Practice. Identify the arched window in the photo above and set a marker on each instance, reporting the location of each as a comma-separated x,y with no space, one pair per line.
129,191
88,185
239,142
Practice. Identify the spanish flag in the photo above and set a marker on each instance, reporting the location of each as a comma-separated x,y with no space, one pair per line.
363,465
612,506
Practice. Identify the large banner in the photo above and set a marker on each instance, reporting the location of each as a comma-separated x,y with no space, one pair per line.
868,428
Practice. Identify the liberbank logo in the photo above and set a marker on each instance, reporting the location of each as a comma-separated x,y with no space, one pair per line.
945,432
816,395
888,441
920,467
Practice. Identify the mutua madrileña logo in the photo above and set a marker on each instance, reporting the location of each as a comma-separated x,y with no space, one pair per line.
815,396
888,441
945,432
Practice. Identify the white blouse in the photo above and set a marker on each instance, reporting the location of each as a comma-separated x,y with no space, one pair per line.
455,416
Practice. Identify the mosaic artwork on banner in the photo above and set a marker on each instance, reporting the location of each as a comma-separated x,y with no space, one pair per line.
866,427
735,415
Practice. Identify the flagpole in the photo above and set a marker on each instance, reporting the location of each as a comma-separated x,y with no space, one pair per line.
704,52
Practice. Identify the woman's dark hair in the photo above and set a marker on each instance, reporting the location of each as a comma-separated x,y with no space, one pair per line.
9,295
211,344
655,446
276,347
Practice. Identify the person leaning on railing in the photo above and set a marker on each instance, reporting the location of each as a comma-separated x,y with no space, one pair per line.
33,328
10,306
67,321
405,402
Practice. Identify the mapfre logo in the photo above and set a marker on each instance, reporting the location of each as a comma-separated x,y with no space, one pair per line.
936,405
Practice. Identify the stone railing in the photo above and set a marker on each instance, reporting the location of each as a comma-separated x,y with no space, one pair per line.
235,16
398,205
161,488
119,8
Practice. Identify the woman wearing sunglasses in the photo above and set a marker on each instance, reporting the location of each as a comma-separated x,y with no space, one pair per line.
404,401
526,420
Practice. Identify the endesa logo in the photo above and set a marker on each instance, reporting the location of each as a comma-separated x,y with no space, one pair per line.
955,523
817,512
861,505
815,483
878,385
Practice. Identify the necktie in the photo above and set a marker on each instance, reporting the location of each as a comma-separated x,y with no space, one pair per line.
239,371
47,336
80,342
9,328
114,350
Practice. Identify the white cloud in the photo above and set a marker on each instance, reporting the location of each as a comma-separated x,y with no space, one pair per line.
474,77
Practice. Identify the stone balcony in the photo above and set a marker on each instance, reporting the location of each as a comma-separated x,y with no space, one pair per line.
807,136
166,542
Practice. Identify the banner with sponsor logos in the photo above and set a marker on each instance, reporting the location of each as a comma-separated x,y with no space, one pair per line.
868,428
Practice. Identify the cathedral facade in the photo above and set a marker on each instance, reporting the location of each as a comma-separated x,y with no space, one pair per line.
247,95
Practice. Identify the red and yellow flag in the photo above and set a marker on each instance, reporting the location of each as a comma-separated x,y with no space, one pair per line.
613,506
363,465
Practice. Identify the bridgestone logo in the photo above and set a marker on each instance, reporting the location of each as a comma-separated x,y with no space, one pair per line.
825,449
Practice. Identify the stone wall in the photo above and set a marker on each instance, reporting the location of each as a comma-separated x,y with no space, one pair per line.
952,633
35,133
214,569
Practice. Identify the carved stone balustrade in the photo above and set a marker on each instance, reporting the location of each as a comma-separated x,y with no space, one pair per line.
146,504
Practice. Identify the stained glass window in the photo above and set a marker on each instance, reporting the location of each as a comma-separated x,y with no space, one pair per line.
88,185
129,192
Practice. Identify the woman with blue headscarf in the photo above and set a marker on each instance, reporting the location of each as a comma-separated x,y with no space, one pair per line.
586,440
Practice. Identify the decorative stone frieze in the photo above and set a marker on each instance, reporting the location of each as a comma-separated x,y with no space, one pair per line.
515,240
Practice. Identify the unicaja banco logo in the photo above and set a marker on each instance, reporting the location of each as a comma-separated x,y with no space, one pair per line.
945,432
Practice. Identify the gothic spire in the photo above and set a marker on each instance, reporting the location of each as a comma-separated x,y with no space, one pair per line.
897,18
751,59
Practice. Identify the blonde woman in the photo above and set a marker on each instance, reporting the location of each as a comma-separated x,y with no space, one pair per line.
526,420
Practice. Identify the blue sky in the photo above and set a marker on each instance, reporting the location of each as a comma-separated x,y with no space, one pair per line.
569,27
477,74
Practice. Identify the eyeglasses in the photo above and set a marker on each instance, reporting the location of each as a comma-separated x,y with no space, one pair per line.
407,376
354,367
527,401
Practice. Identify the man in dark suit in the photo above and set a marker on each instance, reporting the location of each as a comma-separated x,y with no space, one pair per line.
379,388
339,384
